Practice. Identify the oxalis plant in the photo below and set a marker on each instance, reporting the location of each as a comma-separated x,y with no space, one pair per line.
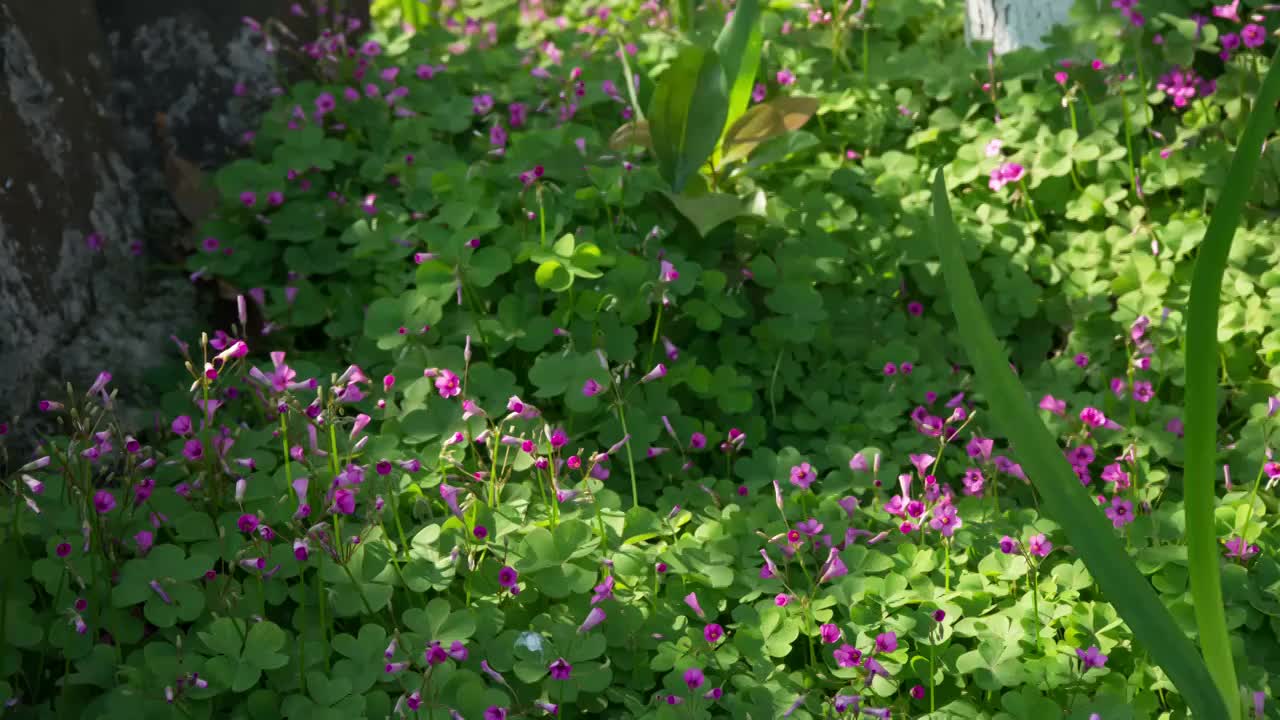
698,124
1207,681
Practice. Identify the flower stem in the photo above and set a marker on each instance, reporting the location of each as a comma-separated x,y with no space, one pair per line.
631,465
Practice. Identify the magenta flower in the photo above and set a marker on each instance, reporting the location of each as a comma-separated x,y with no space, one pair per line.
809,527
591,388
1093,417
1114,473
493,712
694,678
802,476
712,633
344,501
847,656
247,523
886,642
1238,549
1253,35
759,92
193,450
1091,658
1010,172
104,502
448,384
603,591
785,78
830,633
1008,545
1054,405
945,519
560,669
1039,546
834,567
782,600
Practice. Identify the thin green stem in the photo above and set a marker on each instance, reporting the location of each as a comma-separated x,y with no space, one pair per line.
631,465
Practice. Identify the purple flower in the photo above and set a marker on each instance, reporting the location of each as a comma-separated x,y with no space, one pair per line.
594,618
830,633
1091,658
193,450
980,447
785,78
493,712
1008,545
482,104
104,502
782,600
560,669
1120,512
344,501
247,523
507,577
591,388
694,678
809,527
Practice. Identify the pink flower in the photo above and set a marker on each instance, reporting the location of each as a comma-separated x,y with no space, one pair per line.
1054,405
1060,77
785,78
1039,546
448,384
830,633
692,601
803,475
712,633
1093,417
886,642
193,450
594,618
1010,172
1228,12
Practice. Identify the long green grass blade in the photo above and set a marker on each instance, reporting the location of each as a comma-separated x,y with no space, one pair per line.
1201,411
739,47
1065,500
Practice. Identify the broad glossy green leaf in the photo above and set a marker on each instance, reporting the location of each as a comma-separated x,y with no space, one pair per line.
707,212
765,122
687,114
1201,409
739,49
1065,500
